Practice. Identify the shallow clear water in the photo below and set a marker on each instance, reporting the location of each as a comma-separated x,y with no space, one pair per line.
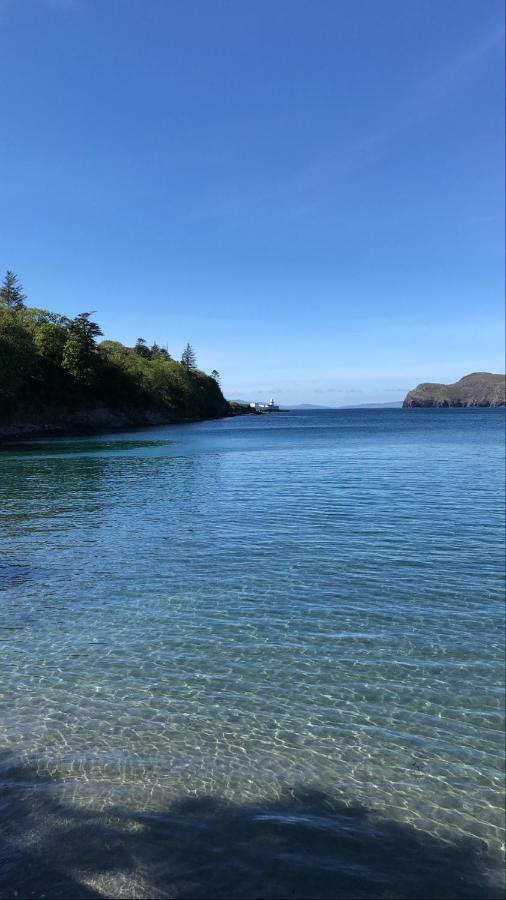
259,656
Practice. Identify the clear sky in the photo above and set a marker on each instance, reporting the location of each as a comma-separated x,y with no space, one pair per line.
311,193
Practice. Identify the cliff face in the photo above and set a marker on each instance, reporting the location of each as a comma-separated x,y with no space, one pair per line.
477,389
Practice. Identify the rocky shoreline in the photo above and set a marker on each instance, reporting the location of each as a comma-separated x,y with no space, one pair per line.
99,419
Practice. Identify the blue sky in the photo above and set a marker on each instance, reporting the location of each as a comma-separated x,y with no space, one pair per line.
311,193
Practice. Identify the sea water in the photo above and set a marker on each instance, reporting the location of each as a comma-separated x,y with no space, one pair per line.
255,657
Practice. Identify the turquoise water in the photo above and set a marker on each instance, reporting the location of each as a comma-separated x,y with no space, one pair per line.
255,657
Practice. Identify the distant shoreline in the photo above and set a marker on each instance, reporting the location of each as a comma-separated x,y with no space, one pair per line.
93,422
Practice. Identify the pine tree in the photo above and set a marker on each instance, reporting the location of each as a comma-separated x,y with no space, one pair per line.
158,352
11,292
88,330
188,358
79,352
142,349
216,376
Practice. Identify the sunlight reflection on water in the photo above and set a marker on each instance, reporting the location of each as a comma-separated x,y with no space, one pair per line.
231,609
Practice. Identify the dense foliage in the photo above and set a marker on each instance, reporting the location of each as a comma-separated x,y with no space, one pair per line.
51,362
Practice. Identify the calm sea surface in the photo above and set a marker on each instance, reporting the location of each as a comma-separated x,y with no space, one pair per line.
256,657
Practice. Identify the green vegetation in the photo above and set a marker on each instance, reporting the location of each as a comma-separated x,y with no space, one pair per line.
11,292
188,358
51,365
477,389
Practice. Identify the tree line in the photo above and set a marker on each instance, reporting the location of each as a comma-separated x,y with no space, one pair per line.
48,359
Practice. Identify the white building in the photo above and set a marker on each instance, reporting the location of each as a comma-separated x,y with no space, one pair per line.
265,407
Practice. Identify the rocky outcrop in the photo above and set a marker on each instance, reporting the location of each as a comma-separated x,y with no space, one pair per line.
477,389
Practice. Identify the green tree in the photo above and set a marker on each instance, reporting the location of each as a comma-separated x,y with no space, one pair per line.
11,292
49,362
215,376
86,328
158,352
17,358
142,349
188,358
49,341
79,357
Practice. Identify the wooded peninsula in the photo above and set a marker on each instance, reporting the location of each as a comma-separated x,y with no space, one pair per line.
55,376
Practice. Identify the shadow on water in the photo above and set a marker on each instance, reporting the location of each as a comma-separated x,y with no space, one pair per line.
306,844
60,446
13,575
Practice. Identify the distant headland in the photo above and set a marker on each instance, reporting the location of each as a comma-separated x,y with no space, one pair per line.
477,389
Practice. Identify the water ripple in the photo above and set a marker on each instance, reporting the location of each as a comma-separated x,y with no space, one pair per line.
229,609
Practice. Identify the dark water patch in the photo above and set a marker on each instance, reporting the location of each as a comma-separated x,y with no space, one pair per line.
19,574
77,447
14,574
